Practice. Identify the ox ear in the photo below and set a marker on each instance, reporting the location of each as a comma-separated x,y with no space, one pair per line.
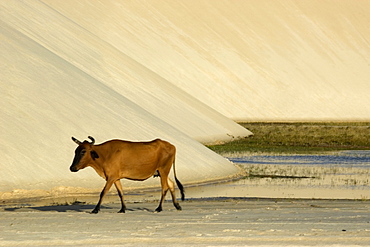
94,155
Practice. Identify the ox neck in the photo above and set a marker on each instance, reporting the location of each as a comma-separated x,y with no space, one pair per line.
98,163
99,170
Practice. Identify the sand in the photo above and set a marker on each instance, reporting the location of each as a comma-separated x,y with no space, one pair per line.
202,222
249,60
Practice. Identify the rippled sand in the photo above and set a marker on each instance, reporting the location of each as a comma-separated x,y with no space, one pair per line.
223,222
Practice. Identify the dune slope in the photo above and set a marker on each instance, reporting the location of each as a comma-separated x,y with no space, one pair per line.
60,80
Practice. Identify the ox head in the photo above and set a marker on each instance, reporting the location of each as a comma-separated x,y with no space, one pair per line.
84,154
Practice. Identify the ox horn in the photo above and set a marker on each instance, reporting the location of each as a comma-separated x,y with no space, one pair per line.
76,141
92,140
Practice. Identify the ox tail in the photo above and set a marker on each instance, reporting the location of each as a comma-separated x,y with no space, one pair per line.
181,188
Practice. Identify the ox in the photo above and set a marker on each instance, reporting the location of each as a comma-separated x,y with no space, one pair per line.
116,159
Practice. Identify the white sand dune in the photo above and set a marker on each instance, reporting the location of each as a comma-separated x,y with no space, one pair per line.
266,60
177,70
60,80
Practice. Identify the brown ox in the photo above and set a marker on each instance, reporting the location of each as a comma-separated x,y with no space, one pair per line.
116,159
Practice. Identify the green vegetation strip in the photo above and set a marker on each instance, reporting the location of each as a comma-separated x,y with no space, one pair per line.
300,137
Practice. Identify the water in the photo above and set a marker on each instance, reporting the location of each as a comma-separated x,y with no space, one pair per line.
349,159
339,175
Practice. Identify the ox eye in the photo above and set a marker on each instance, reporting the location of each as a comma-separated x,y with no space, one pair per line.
83,151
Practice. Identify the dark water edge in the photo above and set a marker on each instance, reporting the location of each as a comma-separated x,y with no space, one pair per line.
349,158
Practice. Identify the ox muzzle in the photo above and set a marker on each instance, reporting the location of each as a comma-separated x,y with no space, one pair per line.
79,154
74,166
73,169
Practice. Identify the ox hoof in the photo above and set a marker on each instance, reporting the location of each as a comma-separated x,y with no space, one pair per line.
178,207
122,211
157,210
95,211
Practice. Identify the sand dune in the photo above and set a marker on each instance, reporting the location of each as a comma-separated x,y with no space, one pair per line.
266,60
178,70
59,80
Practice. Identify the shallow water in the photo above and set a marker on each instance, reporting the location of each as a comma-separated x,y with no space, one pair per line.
339,175
349,159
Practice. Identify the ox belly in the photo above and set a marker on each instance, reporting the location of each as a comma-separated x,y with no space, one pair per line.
139,172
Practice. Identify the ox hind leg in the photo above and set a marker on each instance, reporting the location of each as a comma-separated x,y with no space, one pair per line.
171,185
166,184
120,194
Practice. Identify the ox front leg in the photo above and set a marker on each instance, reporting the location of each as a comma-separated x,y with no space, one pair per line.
107,186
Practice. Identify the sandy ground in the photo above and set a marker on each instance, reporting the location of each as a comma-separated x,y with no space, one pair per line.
202,222
331,211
